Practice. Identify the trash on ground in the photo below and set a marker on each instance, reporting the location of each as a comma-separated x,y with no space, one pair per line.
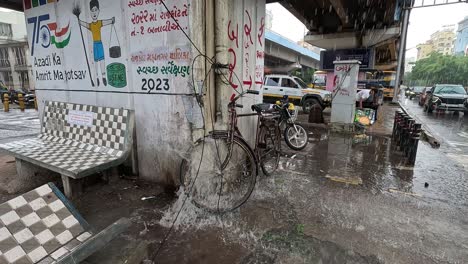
347,180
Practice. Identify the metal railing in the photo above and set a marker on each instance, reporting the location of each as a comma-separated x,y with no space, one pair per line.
406,135
429,3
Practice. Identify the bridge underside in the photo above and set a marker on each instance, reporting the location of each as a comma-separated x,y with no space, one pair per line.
352,24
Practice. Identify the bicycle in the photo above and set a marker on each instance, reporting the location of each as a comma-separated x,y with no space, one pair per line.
220,170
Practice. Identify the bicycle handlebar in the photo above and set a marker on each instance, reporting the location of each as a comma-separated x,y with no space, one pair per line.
253,92
243,93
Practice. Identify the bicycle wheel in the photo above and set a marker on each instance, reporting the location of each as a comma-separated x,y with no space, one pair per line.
218,174
296,136
269,152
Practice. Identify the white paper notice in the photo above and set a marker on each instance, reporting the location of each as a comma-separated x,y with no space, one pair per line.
80,118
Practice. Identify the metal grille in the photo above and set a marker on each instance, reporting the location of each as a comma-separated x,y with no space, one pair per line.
452,101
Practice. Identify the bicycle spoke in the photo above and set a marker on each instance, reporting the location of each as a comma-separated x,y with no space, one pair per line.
220,188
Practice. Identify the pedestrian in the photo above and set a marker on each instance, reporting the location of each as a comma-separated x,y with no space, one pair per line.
362,96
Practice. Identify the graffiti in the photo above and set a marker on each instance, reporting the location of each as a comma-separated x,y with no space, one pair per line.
248,80
248,31
259,67
261,31
247,43
233,35
260,54
232,67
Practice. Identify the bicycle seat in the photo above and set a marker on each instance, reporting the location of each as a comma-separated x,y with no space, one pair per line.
261,108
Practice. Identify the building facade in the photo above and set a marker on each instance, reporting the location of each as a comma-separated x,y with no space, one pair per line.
441,41
15,66
461,42
424,50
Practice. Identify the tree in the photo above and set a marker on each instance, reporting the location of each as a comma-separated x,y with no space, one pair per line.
438,68
308,76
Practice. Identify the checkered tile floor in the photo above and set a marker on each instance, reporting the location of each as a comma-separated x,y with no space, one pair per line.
37,227
66,155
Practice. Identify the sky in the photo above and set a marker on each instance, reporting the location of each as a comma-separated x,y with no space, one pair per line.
423,22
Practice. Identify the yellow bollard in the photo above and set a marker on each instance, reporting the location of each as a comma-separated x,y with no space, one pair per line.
6,102
21,101
35,103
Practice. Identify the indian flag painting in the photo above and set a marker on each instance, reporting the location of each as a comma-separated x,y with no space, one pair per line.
50,34
34,3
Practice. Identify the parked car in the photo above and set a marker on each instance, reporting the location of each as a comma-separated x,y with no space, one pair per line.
277,86
27,95
3,91
447,97
414,91
423,95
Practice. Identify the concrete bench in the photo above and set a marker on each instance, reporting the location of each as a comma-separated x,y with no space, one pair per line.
42,226
77,140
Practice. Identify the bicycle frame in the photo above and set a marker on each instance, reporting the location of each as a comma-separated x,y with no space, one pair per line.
233,129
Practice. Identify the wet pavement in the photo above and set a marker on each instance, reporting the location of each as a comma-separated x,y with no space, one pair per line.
15,125
344,199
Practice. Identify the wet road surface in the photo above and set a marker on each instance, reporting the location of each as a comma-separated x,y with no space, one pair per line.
449,127
344,199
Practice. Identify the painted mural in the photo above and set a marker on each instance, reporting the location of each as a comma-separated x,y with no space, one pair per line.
133,54
75,45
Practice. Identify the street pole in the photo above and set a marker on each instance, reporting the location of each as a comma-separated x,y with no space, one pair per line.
401,53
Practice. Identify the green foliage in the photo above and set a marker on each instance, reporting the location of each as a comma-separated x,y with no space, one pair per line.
300,229
308,75
438,68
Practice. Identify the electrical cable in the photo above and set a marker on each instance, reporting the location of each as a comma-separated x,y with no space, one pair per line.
212,63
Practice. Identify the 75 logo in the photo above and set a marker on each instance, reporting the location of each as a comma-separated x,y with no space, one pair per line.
40,31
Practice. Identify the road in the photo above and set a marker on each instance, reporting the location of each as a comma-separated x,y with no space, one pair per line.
449,128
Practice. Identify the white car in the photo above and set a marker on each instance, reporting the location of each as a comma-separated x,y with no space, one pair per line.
277,86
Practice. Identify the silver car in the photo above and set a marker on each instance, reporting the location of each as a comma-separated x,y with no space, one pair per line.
447,97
